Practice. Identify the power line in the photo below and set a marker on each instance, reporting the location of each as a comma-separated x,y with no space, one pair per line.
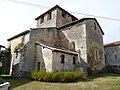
96,16
26,3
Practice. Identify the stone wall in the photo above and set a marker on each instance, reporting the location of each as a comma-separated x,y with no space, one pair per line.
58,18
16,60
75,33
95,49
58,66
62,18
48,59
112,55
47,36
48,23
44,56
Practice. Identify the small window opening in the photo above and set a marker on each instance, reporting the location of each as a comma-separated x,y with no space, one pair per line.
41,20
62,58
74,60
96,55
64,14
38,66
95,26
49,16
115,57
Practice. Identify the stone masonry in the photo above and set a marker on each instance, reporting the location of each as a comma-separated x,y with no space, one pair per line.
60,42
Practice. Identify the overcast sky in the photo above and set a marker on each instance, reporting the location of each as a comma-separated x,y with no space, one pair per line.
16,17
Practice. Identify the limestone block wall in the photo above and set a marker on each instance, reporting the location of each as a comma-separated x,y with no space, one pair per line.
46,36
16,58
95,49
58,18
75,33
47,56
46,22
58,66
62,18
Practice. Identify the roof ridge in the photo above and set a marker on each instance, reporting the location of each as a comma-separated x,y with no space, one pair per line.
56,6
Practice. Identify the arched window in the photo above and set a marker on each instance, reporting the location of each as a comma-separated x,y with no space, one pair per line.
72,45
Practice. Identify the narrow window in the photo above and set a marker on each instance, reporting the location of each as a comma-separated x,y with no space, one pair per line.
96,55
41,19
115,57
38,66
74,60
64,14
62,58
49,16
95,26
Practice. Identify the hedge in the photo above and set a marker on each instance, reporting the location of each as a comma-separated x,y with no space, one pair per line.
68,76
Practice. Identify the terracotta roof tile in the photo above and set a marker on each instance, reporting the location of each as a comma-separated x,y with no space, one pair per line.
112,44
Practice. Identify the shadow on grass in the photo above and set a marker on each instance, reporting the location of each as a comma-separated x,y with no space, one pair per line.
15,82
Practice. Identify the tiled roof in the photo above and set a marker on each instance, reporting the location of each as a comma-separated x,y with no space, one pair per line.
53,9
81,20
112,44
54,49
20,34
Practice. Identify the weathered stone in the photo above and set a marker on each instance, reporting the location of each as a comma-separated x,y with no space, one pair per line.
53,48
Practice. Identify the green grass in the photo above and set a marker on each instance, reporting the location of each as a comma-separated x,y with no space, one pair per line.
98,82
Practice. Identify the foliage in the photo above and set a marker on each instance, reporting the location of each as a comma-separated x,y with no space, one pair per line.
19,46
5,59
107,81
107,69
68,76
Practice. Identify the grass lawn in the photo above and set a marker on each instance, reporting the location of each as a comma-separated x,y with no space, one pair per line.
99,82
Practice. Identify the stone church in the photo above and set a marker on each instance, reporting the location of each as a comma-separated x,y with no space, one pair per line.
60,42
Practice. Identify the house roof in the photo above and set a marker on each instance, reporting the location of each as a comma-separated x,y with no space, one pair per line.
112,44
57,49
53,8
20,34
80,20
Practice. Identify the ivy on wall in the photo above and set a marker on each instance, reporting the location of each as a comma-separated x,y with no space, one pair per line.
95,65
19,46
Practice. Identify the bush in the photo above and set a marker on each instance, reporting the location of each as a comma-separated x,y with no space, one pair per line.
68,76
106,69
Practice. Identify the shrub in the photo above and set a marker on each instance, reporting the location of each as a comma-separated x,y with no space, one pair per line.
68,76
106,69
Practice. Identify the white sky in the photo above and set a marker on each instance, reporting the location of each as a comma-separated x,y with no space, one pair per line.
17,17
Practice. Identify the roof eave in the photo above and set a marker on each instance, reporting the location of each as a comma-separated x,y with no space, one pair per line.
20,34
80,20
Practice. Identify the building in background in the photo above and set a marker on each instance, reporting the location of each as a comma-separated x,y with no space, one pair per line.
112,55
60,42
